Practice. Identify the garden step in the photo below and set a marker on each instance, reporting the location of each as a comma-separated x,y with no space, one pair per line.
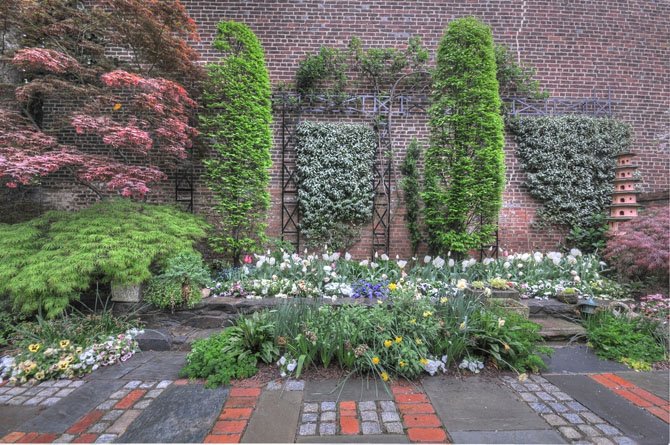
555,329
550,308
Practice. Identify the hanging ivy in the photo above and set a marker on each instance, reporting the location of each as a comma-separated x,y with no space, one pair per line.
464,166
236,122
334,170
569,163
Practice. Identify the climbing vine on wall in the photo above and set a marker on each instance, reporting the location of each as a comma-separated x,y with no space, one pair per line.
569,163
236,122
411,187
334,166
464,166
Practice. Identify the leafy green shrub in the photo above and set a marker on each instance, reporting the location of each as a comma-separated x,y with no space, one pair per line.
514,79
591,237
328,65
236,123
334,170
464,165
569,163
219,359
47,262
634,341
180,282
411,188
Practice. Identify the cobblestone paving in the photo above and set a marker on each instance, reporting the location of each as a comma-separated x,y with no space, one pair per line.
44,394
569,417
348,418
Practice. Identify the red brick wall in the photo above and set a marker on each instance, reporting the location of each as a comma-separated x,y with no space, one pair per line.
580,49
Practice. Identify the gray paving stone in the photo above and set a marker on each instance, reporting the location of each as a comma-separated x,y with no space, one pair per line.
528,396
328,416
18,400
540,408
518,387
387,406
623,440
558,407
112,415
106,438
148,385
537,378
143,404
64,392
119,394
163,384
532,387
601,441
371,428
4,399
46,384
274,386
16,390
132,384
367,406
307,429
608,429
369,416
554,420
393,427
295,385
310,408
563,397
388,416
32,391
542,436
550,388
592,418
4,389
573,418
576,406
276,418
50,401
65,438
108,404
183,414
47,392
328,406
570,432
152,394
589,431
309,417
34,401
62,383
99,427
545,396
77,383
327,429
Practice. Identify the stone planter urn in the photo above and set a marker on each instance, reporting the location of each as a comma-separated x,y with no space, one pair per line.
126,293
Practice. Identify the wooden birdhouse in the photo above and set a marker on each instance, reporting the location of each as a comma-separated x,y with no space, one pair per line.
624,197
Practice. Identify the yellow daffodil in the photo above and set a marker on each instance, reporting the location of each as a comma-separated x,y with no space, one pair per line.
64,344
427,314
506,346
34,347
388,343
501,322
384,375
116,107
393,286
398,339
412,321
402,363
375,360
418,341
423,361
462,326
444,300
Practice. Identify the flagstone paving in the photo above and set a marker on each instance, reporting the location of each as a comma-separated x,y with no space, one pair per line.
583,400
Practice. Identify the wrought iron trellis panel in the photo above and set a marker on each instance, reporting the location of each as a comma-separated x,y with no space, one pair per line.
185,184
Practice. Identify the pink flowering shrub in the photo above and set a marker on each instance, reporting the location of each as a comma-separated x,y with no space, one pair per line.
639,250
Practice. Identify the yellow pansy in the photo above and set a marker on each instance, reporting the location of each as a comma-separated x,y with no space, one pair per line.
64,344
402,363
393,286
412,321
398,339
385,376
34,347
68,359
444,300
375,360
63,365
39,375
388,343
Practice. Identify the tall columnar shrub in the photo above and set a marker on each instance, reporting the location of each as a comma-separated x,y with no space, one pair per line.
464,166
49,261
569,164
334,166
236,122
411,188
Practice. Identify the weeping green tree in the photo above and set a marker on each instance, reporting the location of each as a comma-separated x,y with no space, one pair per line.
464,165
236,122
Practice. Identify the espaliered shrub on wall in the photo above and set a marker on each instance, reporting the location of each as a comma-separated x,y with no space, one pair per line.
569,163
236,122
47,262
334,167
464,166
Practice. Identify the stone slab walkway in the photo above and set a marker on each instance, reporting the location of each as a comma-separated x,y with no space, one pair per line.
580,399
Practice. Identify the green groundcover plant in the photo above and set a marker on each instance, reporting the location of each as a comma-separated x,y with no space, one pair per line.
47,262
180,283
